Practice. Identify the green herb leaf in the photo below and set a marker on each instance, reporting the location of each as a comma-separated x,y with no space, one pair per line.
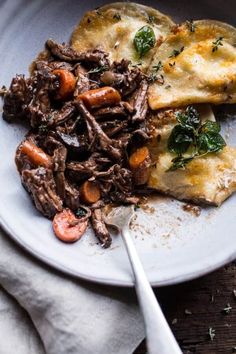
154,77
136,65
209,139
151,19
43,128
211,333
217,43
136,207
191,25
3,91
98,12
179,162
202,139
210,127
187,312
98,69
190,119
179,140
210,142
176,52
144,40
227,309
80,212
157,67
117,17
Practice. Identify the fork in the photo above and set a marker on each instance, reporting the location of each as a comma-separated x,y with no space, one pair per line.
160,339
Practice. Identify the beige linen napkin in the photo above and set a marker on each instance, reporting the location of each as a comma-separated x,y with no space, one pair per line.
69,315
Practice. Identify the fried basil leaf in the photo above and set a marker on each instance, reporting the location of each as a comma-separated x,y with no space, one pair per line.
210,127
179,162
179,140
190,119
210,142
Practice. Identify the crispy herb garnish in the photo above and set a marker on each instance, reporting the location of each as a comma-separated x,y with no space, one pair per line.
153,76
217,43
209,139
98,12
160,80
144,40
227,309
43,128
117,17
179,162
136,65
180,140
191,25
187,312
190,119
176,52
202,139
3,91
136,207
80,212
151,19
157,67
98,69
211,333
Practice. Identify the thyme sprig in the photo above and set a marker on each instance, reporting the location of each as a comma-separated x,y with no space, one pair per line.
217,43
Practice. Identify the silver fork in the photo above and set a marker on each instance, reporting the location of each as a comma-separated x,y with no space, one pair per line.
160,339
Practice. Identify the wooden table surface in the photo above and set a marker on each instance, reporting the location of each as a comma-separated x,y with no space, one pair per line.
201,306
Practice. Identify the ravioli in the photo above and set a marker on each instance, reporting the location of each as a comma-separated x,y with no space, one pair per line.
113,28
198,66
209,179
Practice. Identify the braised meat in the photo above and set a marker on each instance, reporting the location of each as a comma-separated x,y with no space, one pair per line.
86,118
100,229
42,188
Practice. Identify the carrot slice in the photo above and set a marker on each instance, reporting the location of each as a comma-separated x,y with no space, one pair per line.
67,83
67,227
139,163
104,96
90,192
138,157
36,155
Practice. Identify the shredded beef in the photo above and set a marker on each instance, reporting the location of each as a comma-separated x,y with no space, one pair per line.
100,229
17,98
84,144
140,103
72,199
105,142
41,185
66,53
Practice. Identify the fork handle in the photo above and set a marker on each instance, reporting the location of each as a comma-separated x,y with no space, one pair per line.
160,339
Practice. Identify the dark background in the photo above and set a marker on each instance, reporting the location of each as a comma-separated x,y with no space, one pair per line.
199,305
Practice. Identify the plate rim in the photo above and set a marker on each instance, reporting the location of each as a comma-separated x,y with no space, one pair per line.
222,258
107,281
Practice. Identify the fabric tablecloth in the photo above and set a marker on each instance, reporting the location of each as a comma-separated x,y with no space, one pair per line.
44,311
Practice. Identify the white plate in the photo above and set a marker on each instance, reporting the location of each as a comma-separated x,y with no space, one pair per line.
174,245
